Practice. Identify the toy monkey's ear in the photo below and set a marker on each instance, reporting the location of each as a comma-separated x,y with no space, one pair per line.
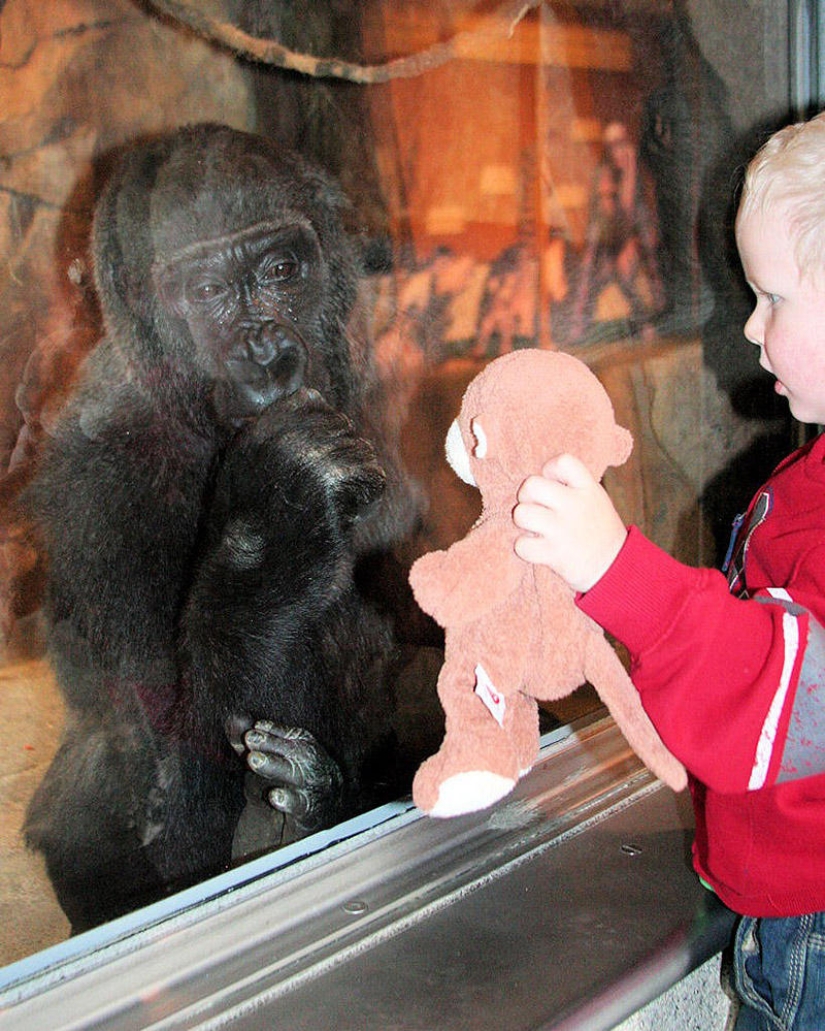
457,457
622,445
477,430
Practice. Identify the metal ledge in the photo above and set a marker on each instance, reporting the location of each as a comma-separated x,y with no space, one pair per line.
571,901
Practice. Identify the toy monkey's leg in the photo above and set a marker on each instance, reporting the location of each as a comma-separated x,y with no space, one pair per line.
490,741
524,729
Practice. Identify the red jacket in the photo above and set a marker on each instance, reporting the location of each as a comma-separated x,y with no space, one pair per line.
733,678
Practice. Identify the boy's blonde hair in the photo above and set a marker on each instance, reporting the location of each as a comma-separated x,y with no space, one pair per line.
789,170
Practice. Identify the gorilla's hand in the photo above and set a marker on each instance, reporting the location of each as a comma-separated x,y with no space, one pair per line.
299,779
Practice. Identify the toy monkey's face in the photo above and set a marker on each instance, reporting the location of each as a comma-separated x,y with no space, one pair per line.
457,456
523,408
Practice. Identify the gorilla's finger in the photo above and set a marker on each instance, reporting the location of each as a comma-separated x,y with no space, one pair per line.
274,767
270,739
312,765
291,802
235,728
283,733
296,755
304,812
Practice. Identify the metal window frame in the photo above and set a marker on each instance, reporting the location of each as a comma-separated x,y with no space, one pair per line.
588,853
806,56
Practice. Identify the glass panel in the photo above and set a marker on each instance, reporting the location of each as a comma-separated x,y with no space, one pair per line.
551,175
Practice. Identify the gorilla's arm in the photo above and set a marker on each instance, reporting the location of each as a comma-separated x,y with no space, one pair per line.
117,501
275,636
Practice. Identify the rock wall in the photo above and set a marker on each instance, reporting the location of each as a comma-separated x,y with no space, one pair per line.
80,77
685,432
77,79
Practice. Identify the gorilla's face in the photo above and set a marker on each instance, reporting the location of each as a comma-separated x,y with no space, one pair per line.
250,302
226,262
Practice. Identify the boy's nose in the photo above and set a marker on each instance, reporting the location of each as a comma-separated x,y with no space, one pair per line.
753,329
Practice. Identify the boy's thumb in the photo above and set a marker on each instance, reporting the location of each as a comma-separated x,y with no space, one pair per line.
568,470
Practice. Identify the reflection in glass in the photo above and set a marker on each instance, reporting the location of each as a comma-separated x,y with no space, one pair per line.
556,178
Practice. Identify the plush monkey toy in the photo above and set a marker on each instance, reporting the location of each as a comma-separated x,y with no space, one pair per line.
513,631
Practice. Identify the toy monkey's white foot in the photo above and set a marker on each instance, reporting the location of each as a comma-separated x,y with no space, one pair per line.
470,791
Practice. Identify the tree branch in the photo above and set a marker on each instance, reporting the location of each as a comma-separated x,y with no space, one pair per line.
271,52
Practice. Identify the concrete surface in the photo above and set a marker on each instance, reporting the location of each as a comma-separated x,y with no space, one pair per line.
31,715
697,1003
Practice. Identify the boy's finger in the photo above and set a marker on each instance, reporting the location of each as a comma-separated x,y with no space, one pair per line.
532,549
569,470
529,517
534,490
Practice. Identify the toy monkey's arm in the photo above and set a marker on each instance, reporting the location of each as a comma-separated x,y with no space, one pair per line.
467,580
615,688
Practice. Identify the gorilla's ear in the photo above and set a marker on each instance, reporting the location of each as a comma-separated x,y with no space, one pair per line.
122,243
170,290
327,192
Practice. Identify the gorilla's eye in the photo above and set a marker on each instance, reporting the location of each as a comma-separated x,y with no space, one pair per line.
205,291
275,270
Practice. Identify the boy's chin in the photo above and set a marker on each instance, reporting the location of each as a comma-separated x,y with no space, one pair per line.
802,413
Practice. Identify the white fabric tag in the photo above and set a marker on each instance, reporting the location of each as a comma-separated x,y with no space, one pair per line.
486,691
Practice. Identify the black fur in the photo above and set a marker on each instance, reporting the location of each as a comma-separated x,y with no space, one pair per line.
201,561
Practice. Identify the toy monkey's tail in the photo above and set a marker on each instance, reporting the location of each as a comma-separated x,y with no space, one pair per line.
606,673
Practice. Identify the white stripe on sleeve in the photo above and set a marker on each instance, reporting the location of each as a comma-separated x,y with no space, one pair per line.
767,737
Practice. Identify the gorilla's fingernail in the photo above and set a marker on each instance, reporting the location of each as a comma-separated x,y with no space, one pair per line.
279,799
256,760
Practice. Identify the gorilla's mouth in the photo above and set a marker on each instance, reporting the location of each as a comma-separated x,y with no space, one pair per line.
285,374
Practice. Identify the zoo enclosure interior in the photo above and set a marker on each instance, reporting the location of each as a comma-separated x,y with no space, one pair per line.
552,174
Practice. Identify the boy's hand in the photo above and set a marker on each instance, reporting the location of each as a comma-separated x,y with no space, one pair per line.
572,525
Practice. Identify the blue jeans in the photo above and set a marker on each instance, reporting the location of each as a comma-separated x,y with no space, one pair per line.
779,973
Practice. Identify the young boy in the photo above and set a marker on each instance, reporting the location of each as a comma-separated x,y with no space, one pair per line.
732,672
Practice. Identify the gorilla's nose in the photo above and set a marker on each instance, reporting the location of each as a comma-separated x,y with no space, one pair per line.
281,353
269,341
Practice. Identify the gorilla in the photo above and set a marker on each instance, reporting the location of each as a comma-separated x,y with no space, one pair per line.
206,503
